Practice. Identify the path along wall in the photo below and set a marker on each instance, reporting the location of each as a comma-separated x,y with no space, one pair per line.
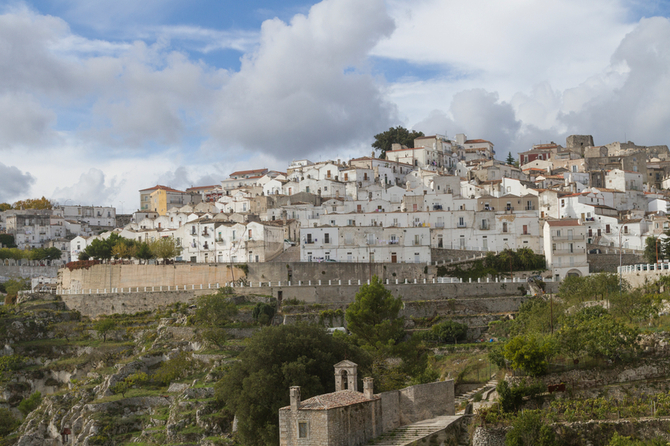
416,403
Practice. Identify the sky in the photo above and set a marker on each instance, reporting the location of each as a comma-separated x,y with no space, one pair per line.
101,99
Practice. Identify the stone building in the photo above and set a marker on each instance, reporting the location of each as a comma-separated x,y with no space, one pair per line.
344,417
348,417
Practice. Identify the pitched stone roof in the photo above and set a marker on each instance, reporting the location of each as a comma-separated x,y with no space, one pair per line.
333,400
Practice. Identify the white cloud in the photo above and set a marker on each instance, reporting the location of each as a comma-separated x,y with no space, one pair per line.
23,121
305,87
14,183
90,189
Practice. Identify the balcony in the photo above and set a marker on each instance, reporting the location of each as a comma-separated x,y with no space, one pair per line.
565,252
484,227
439,224
568,237
461,225
529,208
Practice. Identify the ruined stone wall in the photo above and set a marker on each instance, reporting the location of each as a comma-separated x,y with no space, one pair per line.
416,403
94,305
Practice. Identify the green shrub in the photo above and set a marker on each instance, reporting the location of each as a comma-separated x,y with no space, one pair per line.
8,423
31,403
529,429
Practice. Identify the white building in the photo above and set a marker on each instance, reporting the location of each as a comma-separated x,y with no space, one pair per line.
565,248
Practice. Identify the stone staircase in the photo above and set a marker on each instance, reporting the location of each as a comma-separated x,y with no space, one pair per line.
485,389
411,433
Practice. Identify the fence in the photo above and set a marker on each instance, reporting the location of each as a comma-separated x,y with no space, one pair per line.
216,286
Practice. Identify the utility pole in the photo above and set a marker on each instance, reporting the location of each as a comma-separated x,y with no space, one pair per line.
620,261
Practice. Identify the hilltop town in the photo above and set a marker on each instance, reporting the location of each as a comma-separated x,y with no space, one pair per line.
434,295
441,194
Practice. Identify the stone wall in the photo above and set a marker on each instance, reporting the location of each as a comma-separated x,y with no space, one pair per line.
417,403
493,436
639,278
16,271
608,263
655,368
130,276
448,255
94,305
344,293
465,302
587,432
325,271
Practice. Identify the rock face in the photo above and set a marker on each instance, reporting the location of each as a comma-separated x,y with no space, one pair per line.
77,382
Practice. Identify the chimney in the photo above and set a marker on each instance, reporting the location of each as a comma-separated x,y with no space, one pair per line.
368,388
295,398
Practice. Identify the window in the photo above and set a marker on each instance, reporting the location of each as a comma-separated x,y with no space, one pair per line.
326,238
461,222
309,238
417,239
607,229
504,228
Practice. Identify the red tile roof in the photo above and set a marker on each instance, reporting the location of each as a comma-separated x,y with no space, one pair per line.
245,172
202,187
476,141
159,187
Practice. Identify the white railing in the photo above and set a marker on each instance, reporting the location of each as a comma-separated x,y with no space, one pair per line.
216,286
660,266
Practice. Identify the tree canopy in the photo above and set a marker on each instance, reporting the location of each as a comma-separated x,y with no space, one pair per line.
385,140
165,248
373,316
33,203
275,359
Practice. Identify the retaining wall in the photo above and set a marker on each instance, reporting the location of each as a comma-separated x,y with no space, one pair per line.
608,263
15,271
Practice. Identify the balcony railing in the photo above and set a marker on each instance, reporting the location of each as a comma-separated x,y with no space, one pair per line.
439,224
567,237
574,251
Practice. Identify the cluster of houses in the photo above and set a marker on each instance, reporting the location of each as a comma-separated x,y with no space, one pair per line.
441,194
47,228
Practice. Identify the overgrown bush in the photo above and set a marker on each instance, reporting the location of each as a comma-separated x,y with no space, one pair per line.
8,423
529,429
31,403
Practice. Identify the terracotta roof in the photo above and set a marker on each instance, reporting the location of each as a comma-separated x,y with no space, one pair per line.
333,400
567,222
245,172
409,148
159,187
203,187
476,141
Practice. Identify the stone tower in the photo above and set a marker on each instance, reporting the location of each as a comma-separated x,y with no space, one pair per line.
346,376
